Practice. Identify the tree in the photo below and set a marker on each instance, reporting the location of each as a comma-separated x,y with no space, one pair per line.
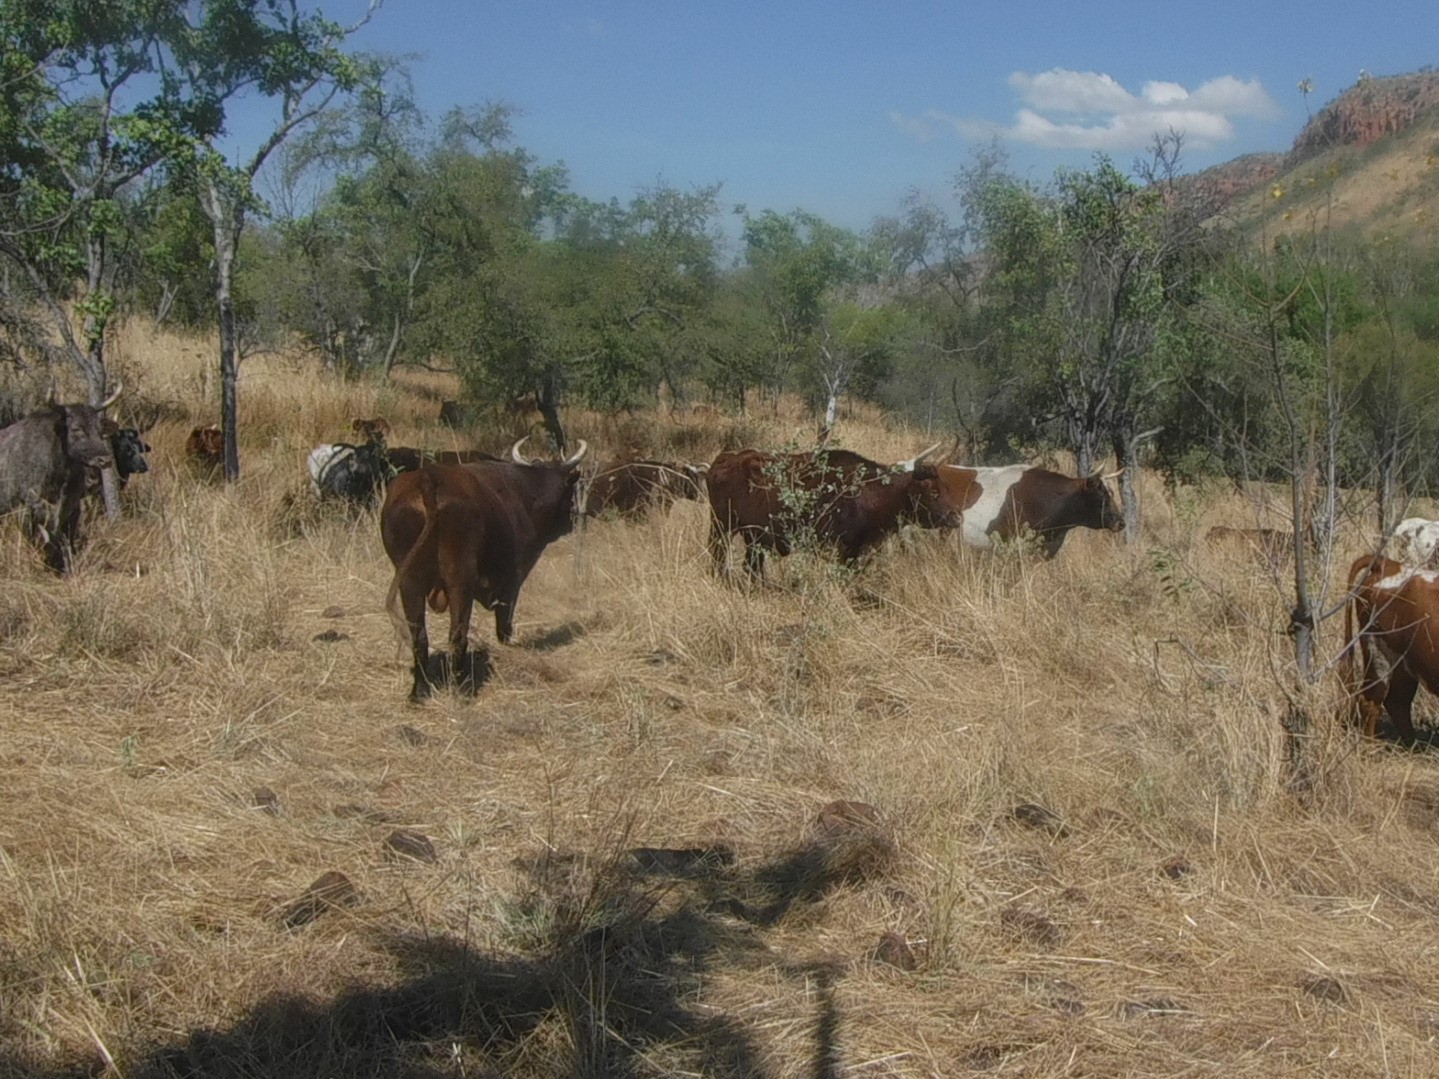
226,48
88,106
1087,277
796,266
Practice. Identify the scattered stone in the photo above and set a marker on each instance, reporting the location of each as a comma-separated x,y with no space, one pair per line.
1139,1009
895,951
1034,815
1031,925
412,736
843,817
403,843
681,861
335,611
330,636
265,800
1325,988
330,891
1176,868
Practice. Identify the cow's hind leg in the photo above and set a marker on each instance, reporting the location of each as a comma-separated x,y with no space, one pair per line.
1399,703
719,545
412,601
462,661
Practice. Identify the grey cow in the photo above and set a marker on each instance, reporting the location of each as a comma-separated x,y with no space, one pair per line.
43,463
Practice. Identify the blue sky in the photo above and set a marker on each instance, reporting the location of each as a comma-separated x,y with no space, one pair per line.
840,108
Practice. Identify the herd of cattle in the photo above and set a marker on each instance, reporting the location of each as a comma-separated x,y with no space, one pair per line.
467,527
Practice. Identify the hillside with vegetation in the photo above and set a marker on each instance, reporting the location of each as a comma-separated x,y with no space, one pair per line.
947,812
1367,164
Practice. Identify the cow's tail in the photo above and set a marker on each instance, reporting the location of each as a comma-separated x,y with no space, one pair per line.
424,547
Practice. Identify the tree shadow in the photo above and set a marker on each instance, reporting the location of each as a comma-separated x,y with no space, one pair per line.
612,987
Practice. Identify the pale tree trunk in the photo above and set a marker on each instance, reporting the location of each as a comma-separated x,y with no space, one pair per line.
92,360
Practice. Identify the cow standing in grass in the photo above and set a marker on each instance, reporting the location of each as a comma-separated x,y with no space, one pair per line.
1006,503
836,498
632,488
461,534
45,460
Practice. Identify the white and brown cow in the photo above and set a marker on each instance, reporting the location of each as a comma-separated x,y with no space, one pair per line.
1416,542
1004,503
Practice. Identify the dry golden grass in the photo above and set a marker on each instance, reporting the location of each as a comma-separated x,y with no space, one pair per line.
1181,912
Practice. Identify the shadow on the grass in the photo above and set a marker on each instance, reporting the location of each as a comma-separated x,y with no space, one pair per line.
621,960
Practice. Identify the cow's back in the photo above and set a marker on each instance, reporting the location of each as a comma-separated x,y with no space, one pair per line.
32,461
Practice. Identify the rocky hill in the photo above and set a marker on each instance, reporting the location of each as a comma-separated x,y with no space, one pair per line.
1368,161
1370,110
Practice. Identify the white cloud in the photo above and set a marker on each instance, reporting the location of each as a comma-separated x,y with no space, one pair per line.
1087,110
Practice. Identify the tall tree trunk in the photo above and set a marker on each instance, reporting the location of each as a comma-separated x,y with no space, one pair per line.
547,399
1126,456
227,219
92,360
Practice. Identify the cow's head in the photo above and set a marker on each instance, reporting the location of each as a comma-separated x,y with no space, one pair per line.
129,450
85,441
934,505
375,429
1097,506
557,487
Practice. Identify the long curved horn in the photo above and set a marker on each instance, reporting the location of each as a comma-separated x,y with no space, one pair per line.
52,395
1113,475
515,454
574,458
103,405
913,462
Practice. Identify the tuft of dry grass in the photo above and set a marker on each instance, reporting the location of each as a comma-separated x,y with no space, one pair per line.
1085,830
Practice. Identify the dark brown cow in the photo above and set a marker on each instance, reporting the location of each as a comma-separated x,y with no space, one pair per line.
375,429
1393,619
45,460
206,446
633,488
458,534
1273,543
407,458
1004,503
843,500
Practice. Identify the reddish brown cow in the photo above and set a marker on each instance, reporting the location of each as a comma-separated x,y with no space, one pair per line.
844,500
375,429
206,446
633,488
1391,620
458,534
1005,503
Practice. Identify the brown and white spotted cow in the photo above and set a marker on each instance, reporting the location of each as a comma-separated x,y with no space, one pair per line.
1006,502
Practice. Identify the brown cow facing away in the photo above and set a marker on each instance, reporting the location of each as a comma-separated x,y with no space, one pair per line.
461,534
844,501
1392,629
45,460
633,488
